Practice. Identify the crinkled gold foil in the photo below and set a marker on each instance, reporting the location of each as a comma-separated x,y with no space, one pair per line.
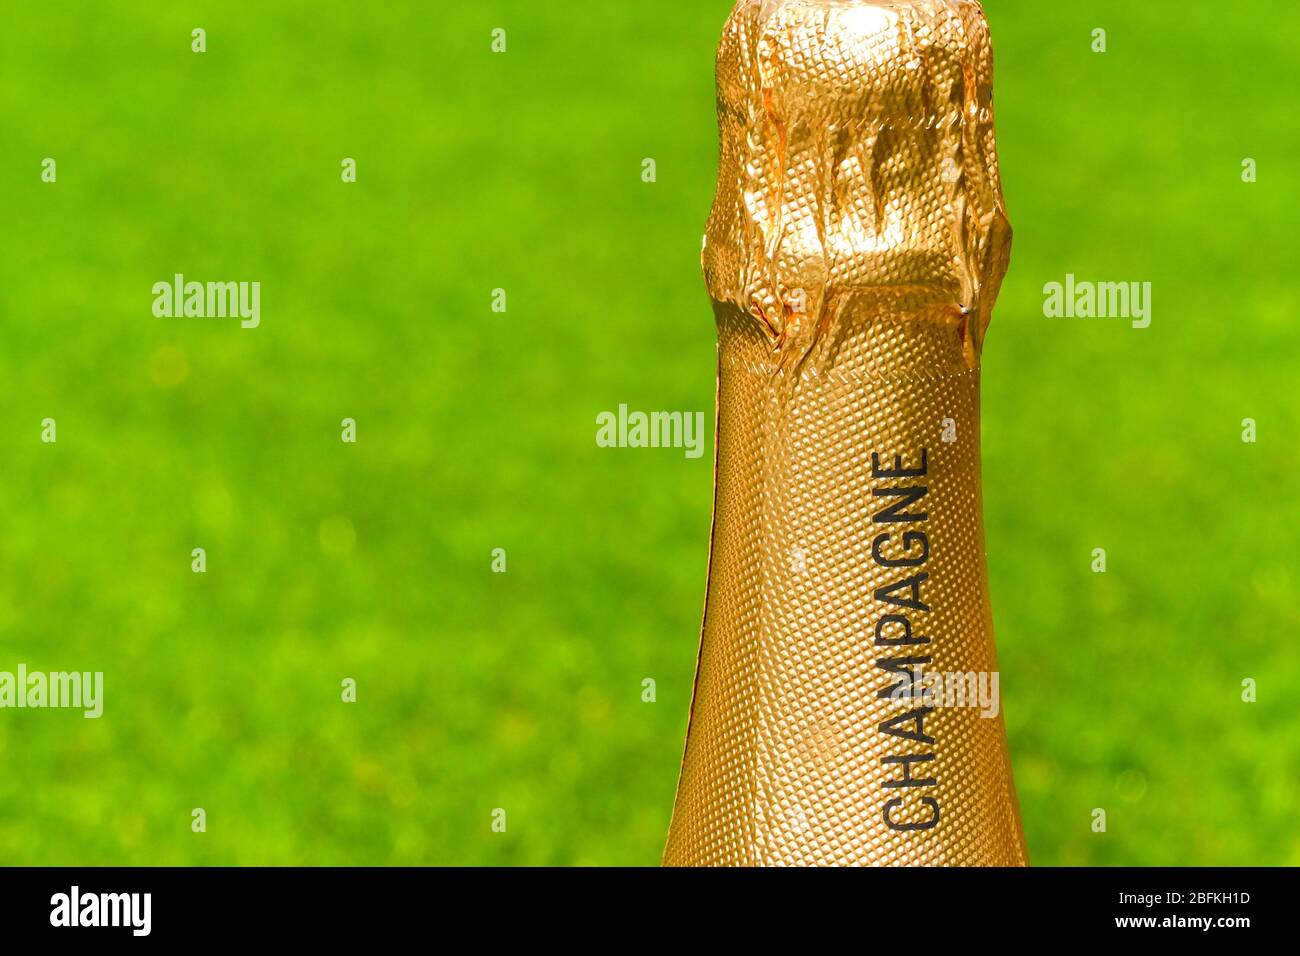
853,255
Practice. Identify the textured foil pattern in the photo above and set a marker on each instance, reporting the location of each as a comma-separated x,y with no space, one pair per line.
854,251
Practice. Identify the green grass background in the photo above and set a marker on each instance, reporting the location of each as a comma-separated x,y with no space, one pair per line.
476,429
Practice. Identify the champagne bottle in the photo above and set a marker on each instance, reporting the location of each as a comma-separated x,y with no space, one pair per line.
847,704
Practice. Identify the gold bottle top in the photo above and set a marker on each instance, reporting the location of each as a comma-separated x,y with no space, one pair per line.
857,158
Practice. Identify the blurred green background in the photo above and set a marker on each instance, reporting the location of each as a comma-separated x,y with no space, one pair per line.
522,171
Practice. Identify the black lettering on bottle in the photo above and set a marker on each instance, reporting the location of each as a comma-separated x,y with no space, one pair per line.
909,539
904,667
905,640
929,824
908,780
913,584
910,549
894,513
898,471
915,716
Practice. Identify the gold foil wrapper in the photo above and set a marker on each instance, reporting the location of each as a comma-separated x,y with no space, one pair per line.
853,255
